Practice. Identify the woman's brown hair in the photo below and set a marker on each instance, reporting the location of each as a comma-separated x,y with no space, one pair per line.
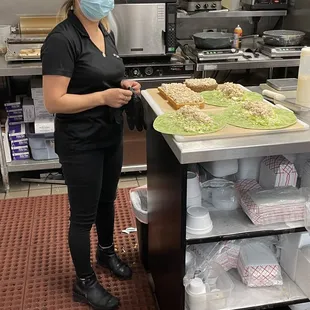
69,4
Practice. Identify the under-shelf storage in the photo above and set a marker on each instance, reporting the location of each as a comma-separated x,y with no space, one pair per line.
168,162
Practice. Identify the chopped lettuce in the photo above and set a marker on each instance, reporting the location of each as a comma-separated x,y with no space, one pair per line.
241,117
219,99
216,98
174,123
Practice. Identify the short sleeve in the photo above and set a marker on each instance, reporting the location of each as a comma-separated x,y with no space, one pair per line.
57,56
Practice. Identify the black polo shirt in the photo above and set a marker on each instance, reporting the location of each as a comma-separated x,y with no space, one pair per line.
68,51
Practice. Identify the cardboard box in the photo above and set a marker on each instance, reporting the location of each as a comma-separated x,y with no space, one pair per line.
44,125
6,143
40,109
28,110
17,132
36,88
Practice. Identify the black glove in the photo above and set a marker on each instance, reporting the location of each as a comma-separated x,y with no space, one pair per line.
135,112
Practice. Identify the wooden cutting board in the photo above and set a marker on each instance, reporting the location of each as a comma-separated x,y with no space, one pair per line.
162,106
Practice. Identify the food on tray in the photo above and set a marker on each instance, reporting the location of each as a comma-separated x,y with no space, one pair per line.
229,94
189,120
231,90
200,85
251,96
179,95
259,115
216,98
31,52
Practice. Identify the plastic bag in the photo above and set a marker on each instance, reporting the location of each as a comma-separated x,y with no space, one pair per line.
258,266
221,193
138,197
224,254
277,196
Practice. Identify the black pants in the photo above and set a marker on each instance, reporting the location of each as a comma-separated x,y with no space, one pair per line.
92,178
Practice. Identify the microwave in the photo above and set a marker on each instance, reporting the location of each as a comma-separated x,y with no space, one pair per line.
144,29
265,4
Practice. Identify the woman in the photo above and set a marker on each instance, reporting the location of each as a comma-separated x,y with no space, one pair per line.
83,84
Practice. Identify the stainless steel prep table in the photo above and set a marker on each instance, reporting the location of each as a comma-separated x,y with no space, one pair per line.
167,163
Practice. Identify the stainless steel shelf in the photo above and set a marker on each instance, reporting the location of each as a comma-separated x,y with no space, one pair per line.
243,297
237,14
33,165
231,225
244,64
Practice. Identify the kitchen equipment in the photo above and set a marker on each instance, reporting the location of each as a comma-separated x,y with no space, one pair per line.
264,4
159,67
303,88
280,52
5,31
216,40
24,47
283,38
272,95
201,56
144,29
38,24
204,5
231,5
283,84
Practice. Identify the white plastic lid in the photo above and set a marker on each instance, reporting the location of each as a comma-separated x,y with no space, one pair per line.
197,212
196,286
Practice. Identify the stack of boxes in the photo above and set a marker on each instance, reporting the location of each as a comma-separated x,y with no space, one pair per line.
44,121
15,138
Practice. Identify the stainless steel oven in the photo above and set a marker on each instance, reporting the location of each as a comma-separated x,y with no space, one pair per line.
144,29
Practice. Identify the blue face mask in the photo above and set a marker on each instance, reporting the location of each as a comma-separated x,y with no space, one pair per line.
95,10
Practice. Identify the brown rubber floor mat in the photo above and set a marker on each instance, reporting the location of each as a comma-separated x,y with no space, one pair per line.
36,271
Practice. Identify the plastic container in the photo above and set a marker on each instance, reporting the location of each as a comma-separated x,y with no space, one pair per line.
42,145
218,286
196,295
303,89
198,221
221,168
193,190
249,168
237,35
304,306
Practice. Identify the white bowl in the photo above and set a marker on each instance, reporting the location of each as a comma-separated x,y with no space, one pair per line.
198,221
193,185
221,168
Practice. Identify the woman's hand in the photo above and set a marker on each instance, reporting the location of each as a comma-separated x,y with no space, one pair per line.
130,83
116,97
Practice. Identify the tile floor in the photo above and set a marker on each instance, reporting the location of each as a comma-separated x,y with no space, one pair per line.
19,189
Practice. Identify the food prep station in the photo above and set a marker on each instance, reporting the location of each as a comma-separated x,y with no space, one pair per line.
169,160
